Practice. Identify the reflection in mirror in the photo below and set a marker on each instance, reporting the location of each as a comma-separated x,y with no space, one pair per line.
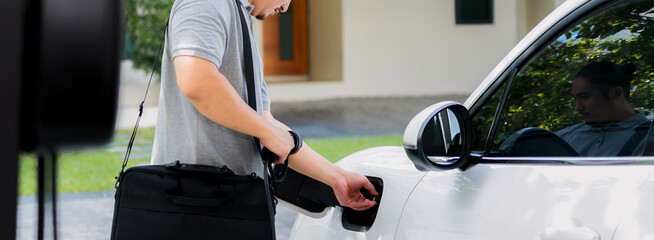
438,138
442,137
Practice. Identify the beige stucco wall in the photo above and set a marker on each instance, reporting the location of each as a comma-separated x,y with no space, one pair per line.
325,36
531,12
408,48
326,40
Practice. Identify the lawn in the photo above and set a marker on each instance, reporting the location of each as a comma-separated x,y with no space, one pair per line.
96,169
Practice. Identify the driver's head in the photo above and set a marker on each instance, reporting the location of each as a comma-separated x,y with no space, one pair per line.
601,91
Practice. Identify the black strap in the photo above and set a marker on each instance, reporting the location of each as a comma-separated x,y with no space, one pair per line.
252,101
138,119
247,53
632,143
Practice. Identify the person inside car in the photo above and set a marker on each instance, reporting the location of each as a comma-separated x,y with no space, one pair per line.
611,126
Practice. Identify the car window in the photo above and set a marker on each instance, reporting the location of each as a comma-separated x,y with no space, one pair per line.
587,93
483,119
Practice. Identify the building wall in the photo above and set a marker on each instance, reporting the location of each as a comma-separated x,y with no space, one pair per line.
379,48
531,12
409,48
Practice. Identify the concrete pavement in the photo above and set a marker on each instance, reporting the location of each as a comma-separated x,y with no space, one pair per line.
354,116
326,118
88,216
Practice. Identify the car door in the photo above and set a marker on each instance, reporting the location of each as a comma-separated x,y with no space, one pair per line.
528,178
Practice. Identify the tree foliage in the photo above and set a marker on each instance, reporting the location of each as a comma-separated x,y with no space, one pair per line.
146,21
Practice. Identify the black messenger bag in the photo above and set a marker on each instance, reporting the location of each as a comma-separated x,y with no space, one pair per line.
189,201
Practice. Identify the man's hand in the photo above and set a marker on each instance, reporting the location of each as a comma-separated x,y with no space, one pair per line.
278,141
347,191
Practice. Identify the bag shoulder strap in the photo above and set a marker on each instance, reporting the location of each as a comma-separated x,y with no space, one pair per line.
138,119
252,101
251,94
266,155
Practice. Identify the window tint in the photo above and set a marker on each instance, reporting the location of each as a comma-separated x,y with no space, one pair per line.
482,120
589,90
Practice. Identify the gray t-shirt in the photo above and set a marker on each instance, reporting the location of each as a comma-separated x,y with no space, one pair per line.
208,29
603,139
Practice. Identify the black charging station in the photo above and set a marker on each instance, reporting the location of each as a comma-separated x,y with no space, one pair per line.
11,22
70,69
60,67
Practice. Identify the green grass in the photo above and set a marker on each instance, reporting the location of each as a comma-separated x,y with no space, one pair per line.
335,149
87,170
96,169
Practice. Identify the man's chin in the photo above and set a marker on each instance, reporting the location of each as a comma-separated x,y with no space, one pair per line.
261,17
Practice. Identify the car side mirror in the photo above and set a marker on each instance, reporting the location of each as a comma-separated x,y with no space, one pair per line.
439,137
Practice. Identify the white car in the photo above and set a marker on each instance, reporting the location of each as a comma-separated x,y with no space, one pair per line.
503,166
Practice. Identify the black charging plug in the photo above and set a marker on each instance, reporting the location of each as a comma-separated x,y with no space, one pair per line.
367,195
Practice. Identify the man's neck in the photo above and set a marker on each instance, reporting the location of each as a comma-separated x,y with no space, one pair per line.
623,112
618,117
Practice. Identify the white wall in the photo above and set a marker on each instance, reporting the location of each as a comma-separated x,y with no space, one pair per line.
410,48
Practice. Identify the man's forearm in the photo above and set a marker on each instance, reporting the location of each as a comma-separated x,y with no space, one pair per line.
346,185
308,162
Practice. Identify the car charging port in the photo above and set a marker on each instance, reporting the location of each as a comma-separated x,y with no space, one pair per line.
361,221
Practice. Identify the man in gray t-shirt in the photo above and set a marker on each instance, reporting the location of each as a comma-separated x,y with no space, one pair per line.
203,115
611,126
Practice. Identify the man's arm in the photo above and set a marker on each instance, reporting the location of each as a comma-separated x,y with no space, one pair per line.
215,98
346,184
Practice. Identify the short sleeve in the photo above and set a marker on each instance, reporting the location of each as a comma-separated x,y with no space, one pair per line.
199,28
265,98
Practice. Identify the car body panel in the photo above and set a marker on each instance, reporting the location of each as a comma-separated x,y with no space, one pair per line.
638,223
505,197
543,201
400,177
547,202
